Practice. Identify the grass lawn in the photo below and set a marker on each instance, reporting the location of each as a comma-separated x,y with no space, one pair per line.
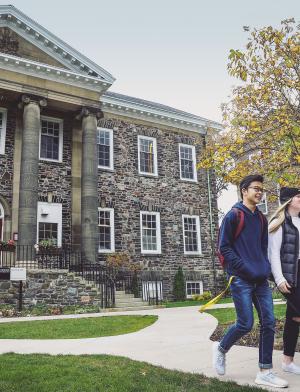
100,373
228,315
91,327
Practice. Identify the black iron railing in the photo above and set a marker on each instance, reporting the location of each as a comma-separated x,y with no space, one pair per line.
145,285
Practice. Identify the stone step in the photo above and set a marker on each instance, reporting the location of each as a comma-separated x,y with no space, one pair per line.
129,304
124,295
136,301
146,307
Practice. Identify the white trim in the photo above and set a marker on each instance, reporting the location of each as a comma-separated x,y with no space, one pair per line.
116,103
111,149
50,72
199,245
2,217
33,32
60,146
195,178
158,234
194,281
112,230
50,213
3,130
155,171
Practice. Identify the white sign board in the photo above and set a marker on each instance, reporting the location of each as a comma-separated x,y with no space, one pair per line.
17,273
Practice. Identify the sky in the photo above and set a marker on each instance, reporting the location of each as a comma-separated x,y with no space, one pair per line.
169,51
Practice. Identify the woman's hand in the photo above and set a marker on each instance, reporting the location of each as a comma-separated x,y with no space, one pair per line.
284,287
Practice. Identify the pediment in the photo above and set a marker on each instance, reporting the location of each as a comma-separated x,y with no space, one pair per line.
13,44
36,43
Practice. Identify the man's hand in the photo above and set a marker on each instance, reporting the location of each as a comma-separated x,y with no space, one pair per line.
284,288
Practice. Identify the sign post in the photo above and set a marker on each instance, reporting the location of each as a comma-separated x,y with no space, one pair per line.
19,274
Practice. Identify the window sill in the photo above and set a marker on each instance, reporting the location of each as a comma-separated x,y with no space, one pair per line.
148,175
188,180
106,169
50,160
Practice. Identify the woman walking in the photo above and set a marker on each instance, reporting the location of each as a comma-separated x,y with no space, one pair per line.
284,256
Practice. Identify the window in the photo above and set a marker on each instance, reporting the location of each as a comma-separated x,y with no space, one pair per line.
263,205
152,290
187,159
147,151
106,230
191,234
48,231
193,288
150,232
51,139
105,148
49,222
3,116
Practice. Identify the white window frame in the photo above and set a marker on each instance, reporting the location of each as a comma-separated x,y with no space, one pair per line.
3,130
193,281
112,230
199,251
155,171
149,290
50,213
158,233
195,179
265,202
60,147
111,149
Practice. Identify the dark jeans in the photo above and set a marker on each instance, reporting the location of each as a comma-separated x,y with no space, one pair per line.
291,327
244,294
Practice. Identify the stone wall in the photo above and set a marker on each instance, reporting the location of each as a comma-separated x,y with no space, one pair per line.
52,288
128,193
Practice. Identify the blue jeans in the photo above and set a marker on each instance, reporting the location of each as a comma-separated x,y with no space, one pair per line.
244,294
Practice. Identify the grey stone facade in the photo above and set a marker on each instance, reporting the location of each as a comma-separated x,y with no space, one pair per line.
129,192
62,83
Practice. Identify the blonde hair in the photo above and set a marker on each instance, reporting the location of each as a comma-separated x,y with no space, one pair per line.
278,217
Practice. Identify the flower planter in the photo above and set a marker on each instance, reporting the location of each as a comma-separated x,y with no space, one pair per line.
7,248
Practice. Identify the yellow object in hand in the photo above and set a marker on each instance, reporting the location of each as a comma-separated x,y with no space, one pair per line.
217,298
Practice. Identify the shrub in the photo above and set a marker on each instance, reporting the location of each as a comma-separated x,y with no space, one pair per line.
202,297
179,286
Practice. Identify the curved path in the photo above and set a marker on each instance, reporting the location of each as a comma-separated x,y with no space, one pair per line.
178,340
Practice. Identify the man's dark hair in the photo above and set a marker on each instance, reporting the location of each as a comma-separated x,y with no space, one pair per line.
246,181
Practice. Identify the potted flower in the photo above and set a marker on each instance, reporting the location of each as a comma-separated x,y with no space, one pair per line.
8,246
47,246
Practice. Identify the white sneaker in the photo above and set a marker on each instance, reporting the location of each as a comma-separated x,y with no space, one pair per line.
268,378
291,368
218,360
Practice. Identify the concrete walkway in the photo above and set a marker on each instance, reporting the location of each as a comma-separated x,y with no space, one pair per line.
178,340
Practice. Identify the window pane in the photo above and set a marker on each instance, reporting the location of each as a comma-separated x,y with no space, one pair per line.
146,155
186,162
104,224
103,142
149,232
49,140
48,231
193,288
190,234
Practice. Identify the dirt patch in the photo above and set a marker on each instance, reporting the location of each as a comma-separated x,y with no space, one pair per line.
252,338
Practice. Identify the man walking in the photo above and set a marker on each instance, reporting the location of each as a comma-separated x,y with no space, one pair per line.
246,258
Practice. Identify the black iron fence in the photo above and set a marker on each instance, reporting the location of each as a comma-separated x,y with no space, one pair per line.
145,285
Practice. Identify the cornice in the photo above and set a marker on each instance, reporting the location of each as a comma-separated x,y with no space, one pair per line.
42,38
158,114
49,72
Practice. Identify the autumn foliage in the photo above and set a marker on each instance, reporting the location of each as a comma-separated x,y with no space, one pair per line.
262,119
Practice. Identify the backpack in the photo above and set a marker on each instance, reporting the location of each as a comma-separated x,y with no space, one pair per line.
239,225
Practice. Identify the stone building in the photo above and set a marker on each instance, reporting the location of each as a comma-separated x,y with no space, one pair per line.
98,171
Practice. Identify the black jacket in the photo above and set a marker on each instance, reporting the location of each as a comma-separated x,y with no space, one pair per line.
289,252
